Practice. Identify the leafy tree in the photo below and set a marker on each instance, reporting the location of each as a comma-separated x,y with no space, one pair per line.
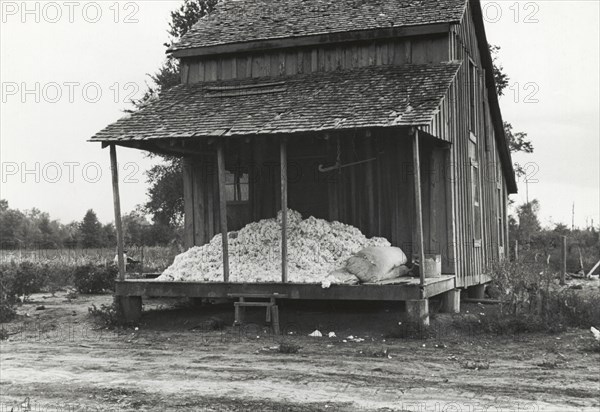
182,20
135,228
529,223
11,224
109,234
518,142
500,76
165,202
90,231
166,193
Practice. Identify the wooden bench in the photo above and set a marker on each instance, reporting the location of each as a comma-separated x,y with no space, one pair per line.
266,300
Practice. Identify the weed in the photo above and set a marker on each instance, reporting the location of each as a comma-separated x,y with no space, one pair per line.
110,316
288,347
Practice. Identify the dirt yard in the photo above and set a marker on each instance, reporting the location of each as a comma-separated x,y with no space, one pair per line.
177,359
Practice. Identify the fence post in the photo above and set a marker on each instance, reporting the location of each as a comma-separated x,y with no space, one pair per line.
563,272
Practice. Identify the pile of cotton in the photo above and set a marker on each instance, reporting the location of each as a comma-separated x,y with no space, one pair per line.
316,248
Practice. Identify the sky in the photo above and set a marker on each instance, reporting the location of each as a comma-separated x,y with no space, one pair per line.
69,69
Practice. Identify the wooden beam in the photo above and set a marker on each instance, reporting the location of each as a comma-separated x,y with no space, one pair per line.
117,206
408,291
418,204
223,208
284,184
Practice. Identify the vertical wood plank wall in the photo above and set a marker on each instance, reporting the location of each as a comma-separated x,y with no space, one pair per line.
275,63
472,260
377,197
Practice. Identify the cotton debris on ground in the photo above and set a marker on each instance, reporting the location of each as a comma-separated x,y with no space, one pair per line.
316,248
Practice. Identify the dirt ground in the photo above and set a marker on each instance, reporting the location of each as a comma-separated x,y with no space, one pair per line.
176,359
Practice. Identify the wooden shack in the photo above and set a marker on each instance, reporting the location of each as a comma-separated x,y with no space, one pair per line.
382,114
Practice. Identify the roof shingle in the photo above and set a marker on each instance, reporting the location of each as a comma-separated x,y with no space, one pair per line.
236,21
377,96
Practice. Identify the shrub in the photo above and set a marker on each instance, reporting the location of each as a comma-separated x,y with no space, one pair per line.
7,311
288,348
91,278
21,279
56,276
532,300
110,316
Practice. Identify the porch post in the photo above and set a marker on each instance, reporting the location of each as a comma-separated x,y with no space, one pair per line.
117,207
283,162
223,208
418,204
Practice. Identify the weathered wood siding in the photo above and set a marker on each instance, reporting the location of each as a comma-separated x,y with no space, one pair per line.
477,243
377,197
274,63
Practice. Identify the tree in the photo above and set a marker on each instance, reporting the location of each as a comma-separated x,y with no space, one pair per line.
11,224
500,76
529,224
90,231
165,195
135,228
518,142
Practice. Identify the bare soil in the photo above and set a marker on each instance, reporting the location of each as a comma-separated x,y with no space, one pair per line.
59,359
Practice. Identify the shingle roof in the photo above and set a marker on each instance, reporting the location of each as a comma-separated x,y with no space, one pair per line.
377,96
237,21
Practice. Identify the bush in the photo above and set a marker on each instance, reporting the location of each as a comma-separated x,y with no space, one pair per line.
288,348
21,279
7,311
109,316
532,300
91,278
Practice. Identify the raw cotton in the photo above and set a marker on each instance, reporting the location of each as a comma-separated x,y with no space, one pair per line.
316,247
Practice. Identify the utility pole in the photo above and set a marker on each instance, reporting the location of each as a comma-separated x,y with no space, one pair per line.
573,217
526,189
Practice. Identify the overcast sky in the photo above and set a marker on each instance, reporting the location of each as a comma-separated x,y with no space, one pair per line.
68,71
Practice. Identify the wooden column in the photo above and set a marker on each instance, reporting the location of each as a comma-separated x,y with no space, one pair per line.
418,204
223,208
117,206
371,213
188,204
284,183
563,272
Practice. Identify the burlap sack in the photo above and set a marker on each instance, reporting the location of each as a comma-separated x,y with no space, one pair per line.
339,277
374,264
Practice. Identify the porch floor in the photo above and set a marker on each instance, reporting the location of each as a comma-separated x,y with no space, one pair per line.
401,289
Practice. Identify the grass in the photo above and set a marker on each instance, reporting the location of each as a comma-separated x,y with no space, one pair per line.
153,259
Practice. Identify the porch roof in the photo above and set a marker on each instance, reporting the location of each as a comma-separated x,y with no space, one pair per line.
378,96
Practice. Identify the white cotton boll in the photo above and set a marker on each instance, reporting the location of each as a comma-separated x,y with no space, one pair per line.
316,248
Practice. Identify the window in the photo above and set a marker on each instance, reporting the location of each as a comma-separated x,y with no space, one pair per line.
473,82
501,205
236,186
475,193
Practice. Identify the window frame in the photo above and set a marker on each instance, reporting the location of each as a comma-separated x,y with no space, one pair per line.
475,174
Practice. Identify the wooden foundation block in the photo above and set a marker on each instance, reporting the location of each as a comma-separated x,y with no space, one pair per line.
476,292
451,301
417,312
131,307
